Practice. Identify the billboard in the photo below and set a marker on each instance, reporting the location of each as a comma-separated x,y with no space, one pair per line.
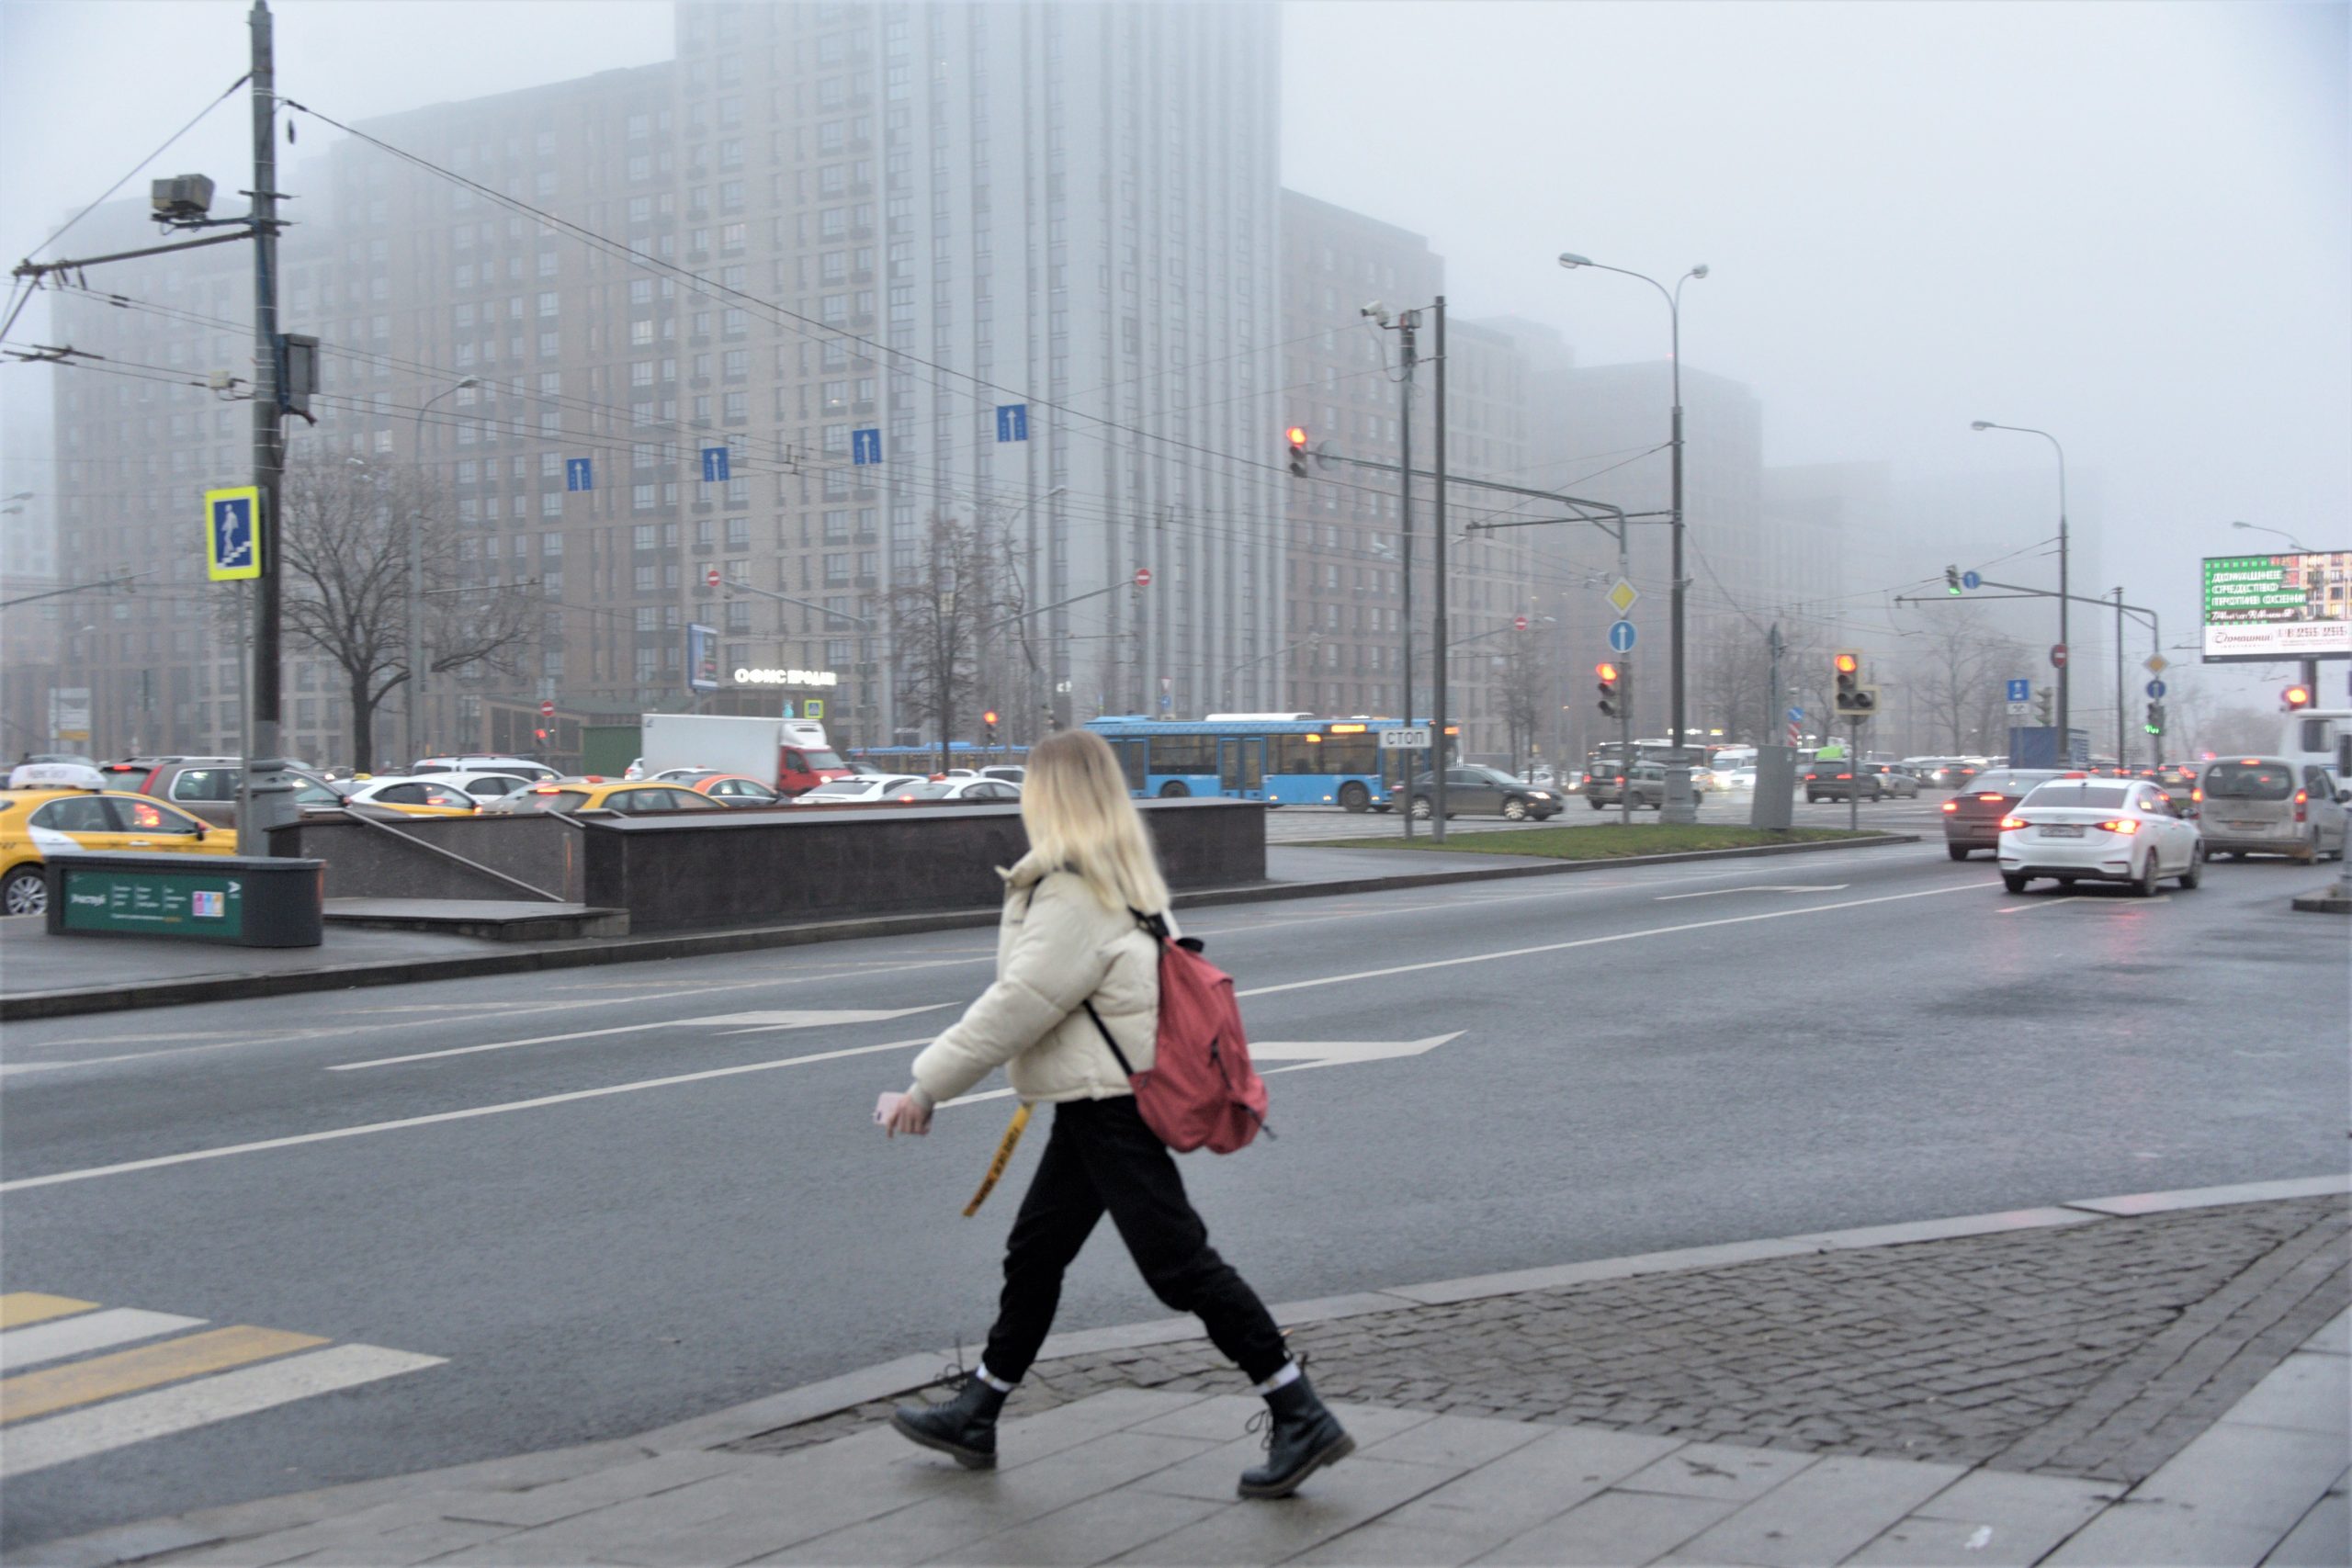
702,659
2266,608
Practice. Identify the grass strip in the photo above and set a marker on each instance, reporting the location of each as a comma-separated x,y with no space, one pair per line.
1600,842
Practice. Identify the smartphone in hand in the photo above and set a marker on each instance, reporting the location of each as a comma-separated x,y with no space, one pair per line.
886,1105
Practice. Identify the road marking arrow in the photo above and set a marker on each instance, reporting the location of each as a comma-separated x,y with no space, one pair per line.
761,1022
1759,887
1322,1053
1341,1052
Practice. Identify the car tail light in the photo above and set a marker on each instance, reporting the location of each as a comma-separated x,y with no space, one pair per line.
2197,795
2124,825
1992,797
2302,806
2008,823
1952,806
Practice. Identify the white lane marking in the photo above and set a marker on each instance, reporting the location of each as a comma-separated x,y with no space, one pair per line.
2042,903
766,1021
1326,1054
40,1342
60,1440
364,1128
1593,942
1758,887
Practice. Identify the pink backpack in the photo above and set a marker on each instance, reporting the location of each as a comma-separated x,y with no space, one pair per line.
1200,1087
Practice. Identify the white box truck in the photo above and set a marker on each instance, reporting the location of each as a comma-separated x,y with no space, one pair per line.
790,753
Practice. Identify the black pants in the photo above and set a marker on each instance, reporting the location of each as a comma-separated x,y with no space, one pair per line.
1101,1157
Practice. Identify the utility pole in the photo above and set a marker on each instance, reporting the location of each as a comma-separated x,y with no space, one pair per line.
1439,760
266,796
2122,754
1407,322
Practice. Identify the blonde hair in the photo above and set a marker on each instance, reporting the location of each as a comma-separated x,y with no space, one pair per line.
1074,802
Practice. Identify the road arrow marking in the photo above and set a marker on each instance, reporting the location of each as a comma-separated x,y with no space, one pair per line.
1322,1053
1759,887
761,1022
1341,1052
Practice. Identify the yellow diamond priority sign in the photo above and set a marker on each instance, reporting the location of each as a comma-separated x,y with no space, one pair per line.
1622,596
2157,664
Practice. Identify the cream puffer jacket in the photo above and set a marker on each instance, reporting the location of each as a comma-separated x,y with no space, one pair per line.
1058,947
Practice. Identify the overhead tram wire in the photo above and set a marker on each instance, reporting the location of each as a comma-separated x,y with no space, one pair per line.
791,320
133,173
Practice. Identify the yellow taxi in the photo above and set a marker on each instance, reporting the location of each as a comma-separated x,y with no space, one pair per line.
38,823
596,793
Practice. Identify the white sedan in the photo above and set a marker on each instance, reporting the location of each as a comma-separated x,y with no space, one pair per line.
2077,828
867,789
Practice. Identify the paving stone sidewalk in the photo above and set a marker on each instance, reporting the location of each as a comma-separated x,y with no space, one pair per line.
2164,1379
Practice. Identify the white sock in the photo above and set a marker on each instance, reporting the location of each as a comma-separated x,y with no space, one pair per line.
1289,1374
989,1378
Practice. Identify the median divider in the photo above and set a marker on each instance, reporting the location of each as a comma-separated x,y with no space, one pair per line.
116,992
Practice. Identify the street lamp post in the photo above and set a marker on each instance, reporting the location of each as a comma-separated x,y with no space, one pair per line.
416,582
2064,733
1679,806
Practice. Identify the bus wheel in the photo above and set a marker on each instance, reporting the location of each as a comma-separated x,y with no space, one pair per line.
1355,797
1174,788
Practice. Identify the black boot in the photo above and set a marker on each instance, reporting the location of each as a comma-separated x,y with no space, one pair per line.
964,1427
1301,1439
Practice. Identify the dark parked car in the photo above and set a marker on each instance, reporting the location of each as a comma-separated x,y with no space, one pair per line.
1480,791
1973,817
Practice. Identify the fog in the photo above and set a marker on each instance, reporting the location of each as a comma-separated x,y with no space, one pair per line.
2126,224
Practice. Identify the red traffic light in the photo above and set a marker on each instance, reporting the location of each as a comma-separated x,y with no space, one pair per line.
1847,663
1297,436
989,718
2299,696
1605,669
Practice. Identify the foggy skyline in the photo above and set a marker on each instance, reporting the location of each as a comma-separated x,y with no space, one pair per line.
2126,224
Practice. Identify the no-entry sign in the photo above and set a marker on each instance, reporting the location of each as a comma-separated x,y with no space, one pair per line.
2057,656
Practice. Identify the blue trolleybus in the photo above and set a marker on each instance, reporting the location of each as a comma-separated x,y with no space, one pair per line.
1281,758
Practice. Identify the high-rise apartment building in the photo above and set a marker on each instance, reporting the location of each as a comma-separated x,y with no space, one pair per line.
1012,270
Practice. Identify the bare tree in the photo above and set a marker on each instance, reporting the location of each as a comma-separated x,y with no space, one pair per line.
1959,669
346,585
1525,694
937,615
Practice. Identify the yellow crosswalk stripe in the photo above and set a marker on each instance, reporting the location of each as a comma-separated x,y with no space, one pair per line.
102,1376
20,1307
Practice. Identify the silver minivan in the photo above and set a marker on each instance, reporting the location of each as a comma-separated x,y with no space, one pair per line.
2272,805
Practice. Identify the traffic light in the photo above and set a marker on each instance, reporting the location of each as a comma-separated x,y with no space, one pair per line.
2296,696
989,718
1297,436
2156,725
1611,704
1853,699
1951,581
2043,698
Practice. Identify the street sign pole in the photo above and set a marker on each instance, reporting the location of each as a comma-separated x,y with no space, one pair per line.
1626,746
1854,766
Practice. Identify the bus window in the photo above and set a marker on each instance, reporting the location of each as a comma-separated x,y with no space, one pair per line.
1131,763
1293,754
1184,754
1350,754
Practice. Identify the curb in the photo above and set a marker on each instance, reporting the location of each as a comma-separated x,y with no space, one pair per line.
207,1527
692,944
907,1374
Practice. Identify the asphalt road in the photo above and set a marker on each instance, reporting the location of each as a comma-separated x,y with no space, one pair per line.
698,1211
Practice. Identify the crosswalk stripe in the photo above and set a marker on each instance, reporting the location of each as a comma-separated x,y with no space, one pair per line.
126,1371
31,1306
78,1434
79,1336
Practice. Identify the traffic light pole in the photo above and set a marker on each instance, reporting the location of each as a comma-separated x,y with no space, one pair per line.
1406,323
1854,783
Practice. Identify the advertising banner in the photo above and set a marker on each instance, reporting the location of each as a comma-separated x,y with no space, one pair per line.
2266,608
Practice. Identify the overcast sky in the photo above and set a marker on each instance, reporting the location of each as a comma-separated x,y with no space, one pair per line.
2128,223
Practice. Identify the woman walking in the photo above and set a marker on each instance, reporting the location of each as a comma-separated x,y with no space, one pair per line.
1070,935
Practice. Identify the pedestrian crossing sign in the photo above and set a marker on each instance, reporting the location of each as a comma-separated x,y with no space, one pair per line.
233,533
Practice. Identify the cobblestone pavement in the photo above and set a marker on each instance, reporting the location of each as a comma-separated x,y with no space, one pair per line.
2094,1351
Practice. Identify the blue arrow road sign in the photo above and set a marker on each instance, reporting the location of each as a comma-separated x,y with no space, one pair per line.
713,465
865,446
2021,691
579,473
1621,637
1796,715
2156,688
231,540
1970,580
1012,422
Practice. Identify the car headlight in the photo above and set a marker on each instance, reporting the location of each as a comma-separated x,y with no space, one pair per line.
1540,794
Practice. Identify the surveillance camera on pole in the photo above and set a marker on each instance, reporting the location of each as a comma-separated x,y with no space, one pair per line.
1376,311
183,198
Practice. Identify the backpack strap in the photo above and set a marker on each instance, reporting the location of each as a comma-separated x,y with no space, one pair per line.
1104,1028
